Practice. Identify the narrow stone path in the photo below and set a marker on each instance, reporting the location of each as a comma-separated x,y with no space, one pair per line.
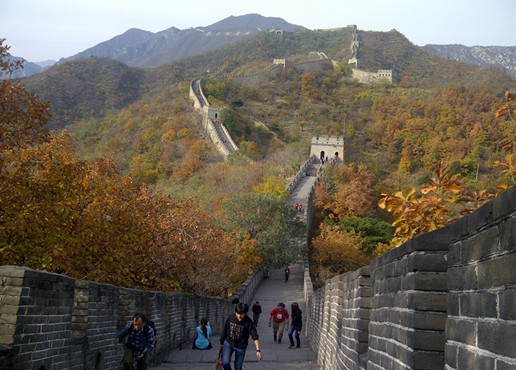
276,356
270,292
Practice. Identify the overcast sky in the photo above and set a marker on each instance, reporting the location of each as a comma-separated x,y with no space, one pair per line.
39,30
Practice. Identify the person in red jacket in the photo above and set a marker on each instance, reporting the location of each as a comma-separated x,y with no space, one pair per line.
277,318
287,273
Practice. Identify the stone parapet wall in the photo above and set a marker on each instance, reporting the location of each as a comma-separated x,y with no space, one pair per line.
313,66
481,322
303,169
50,321
408,308
444,299
372,77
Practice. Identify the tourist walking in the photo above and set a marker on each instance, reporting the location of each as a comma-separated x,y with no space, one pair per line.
287,273
203,335
235,337
278,317
257,311
140,343
296,326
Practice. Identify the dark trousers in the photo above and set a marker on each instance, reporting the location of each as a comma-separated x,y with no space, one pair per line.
129,361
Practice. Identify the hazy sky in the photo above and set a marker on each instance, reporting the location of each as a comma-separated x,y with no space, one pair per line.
38,30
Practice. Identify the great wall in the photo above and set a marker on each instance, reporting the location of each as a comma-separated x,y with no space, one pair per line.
444,299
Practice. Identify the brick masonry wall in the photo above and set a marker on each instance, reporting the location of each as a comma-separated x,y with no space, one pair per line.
444,299
481,323
50,321
408,308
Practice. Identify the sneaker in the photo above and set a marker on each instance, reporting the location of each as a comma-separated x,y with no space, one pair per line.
291,346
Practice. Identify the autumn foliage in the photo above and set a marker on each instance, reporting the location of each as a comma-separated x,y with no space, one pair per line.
84,220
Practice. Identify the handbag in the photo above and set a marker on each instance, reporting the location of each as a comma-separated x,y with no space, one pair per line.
218,366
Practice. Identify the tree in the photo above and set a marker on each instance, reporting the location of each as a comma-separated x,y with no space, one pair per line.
274,186
22,115
270,221
430,211
508,108
82,219
346,191
337,251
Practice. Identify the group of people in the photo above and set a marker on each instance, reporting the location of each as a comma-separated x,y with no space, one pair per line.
280,321
234,338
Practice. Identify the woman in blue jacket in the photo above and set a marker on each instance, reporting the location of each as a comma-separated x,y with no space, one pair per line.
203,335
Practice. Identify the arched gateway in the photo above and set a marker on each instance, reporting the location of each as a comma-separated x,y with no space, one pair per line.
328,148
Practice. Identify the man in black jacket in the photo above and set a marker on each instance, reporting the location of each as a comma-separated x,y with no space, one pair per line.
257,311
235,337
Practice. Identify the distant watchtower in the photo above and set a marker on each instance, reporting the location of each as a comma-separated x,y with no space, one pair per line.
328,147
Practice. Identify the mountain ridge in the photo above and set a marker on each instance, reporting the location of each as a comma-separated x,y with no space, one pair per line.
138,48
503,57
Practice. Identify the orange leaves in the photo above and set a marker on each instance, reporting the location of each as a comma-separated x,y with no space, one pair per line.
508,107
337,251
430,211
64,215
346,191
509,144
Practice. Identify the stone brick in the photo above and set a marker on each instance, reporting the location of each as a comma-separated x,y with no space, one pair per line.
508,235
451,353
503,365
480,218
493,336
505,203
426,301
455,254
453,303
462,278
504,268
425,281
428,360
478,305
429,320
437,240
429,262
507,308
470,360
480,246
461,330
458,229
429,340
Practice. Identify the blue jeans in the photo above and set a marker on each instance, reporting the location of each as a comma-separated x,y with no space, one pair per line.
290,332
228,352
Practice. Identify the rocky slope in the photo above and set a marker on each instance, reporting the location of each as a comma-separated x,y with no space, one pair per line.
499,56
141,48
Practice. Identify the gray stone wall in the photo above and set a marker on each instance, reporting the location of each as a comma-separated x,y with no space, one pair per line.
481,323
314,66
408,308
444,299
50,321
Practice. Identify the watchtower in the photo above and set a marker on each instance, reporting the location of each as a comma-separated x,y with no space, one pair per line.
328,148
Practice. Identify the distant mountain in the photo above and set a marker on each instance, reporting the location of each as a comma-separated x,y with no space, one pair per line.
86,87
500,56
46,63
28,69
141,48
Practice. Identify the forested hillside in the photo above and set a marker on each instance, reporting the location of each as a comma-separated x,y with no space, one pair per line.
437,114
